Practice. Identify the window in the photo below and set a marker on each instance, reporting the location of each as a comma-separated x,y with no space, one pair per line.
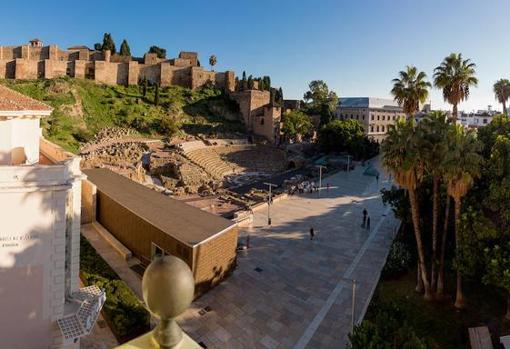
384,117
393,117
371,128
372,117
363,117
357,117
382,127
484,121
377,129
262,121
378,117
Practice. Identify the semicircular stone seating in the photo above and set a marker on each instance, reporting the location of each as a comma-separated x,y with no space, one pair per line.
223,160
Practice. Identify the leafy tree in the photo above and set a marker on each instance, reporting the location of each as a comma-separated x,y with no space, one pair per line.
401,157
455,76
212,61
250,82
410,89
498,269
108,43
320,100
502,92
432,138
295,124
461,167
159,51
124,48
498,173
98,46
346,136
500,126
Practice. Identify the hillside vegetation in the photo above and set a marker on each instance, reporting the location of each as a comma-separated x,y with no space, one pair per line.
83,107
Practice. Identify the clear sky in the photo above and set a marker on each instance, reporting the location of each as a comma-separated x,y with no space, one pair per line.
356,46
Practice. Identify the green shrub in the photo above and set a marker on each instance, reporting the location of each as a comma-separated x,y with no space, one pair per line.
124,312
399,260
387,329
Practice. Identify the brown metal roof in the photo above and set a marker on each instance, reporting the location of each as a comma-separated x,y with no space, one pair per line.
185,223
11,100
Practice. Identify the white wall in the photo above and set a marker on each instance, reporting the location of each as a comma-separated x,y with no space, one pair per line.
19,133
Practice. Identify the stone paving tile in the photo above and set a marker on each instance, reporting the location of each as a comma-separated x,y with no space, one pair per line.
283,302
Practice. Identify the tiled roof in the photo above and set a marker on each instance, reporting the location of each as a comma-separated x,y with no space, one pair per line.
11,100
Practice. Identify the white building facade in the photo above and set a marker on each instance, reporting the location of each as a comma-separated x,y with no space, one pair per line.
40,203
376,115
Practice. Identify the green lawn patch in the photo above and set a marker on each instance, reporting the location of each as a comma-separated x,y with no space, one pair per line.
82,108
439,323
123,311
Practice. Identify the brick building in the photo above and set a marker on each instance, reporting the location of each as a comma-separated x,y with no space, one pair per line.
34,60
374,114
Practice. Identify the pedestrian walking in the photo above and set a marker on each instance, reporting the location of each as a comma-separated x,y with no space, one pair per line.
368,223
327,186
365,213
377,178
312,233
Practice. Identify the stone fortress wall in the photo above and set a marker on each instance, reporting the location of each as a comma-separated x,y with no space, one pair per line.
33,61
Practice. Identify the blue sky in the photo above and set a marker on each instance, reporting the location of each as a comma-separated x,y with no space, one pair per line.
356,46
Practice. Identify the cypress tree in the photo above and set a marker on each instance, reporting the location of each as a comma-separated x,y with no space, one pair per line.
108,43
144,91
244,76
156,95
250,82
124,48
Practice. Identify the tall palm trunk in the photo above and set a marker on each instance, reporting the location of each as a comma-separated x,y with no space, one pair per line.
435,218
507,315
459,296
440,278
504,109
419,244
454,113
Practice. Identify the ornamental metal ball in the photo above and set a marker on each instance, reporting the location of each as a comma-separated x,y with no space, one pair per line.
168,288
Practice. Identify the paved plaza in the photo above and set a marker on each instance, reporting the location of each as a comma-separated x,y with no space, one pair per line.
291,292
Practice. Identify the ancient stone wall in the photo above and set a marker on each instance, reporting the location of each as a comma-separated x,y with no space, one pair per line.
29,62
111,73
26,69
151,72
191,56
54,69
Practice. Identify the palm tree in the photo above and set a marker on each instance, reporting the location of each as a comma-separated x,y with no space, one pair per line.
462,166
401,158
455,76
432,135
212,61
502,92
410,89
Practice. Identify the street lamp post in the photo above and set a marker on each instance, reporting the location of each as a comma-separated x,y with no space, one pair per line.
320,177
353,306
269,201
